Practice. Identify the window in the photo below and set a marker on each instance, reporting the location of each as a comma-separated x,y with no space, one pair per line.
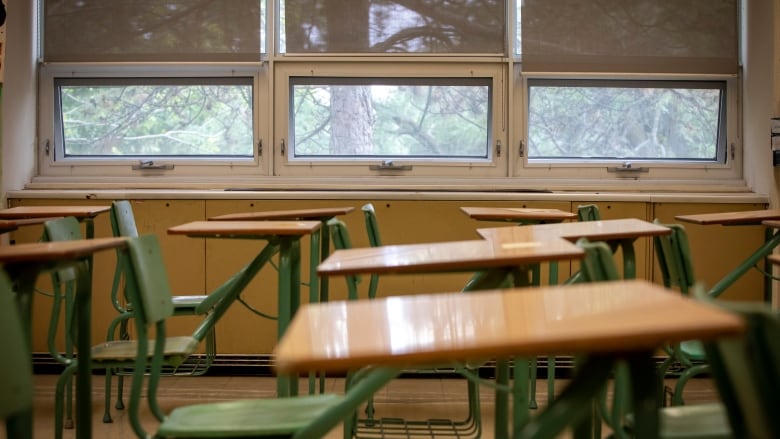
477,93
626,120
403,125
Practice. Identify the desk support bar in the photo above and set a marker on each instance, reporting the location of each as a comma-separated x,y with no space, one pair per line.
772,241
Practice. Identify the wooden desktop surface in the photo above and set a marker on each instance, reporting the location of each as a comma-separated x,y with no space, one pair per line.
748,217
517,214
604,230
56,251
52,211
620,316
302,214
448,256
238,229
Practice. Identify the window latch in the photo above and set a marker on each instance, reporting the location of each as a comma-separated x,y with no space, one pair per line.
628,168
388,165
146,165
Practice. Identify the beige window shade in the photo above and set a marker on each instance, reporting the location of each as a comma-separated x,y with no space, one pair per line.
401,26
644,36
151,30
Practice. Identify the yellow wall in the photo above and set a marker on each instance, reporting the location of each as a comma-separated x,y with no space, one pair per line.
199,265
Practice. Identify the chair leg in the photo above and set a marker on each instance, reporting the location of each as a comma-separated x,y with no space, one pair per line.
63,381
532,391
689,373
107,399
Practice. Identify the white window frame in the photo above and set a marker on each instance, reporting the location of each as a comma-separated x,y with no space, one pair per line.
615,170
498,161
53,163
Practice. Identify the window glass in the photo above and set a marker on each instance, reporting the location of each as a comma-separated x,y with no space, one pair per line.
120,117
626,120
399,26
391,118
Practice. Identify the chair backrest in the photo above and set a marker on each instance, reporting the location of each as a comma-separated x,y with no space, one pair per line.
63,229
149,284
674,258
123,219
598,263
746,370
16,382
372,226
339,235
588,212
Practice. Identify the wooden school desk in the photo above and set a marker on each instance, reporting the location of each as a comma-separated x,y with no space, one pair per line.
9,225
282,237
497,259
520,215
24,263
617,232
84,214
744,218
607,321
317,291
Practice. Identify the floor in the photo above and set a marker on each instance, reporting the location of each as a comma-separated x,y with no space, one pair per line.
410,398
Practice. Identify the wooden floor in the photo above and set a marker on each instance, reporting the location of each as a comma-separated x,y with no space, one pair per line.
407,398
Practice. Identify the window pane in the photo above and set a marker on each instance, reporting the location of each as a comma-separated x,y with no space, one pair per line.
196,118
608,120
390,117
384,26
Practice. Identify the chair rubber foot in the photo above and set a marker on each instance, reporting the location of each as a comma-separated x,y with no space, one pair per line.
119,405
107,419
68,424
533,405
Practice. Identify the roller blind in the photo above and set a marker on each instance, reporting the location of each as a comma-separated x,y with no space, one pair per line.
653,36
400,26
151,30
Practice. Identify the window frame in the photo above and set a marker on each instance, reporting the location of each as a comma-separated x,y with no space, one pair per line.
494,166
635,169
52,161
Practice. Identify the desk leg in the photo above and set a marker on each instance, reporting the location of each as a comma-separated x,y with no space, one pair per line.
314,287
645,394
574,407
83,310
289,299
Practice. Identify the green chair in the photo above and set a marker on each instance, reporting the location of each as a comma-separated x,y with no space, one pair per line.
674,261
685,422
588,212
307,416
123,224
339,236
16,379
63,290
374,240
105,356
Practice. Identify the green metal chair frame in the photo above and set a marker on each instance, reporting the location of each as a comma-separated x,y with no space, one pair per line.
123,225
675,263
588,212
16,379
306,416
470,425
374,240
63,290
683,422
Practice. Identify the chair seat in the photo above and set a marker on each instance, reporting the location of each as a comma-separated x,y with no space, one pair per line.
247,418
182,346
699,421
693,349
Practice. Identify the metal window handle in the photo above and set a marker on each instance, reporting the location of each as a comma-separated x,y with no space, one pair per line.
628,167
144,165
388,165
